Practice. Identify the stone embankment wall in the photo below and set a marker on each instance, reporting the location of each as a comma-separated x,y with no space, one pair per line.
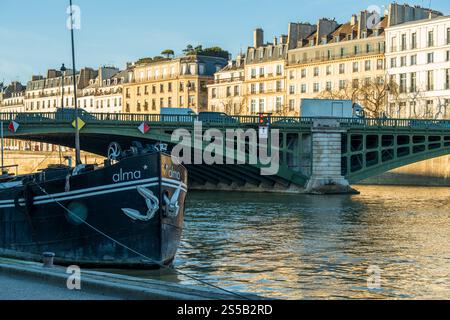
433,172
31,161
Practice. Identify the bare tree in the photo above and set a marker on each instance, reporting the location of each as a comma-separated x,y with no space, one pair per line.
415,98
374,95
441,112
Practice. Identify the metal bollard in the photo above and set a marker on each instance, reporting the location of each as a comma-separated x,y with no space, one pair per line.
47,258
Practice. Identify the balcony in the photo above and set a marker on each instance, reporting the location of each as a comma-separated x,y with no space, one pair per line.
336,57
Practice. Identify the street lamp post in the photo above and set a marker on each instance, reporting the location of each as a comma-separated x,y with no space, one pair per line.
63,72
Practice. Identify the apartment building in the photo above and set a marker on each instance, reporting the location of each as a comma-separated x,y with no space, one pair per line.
336,60
228,92
12,98
46,94
265,80
171,83
105,92
418,58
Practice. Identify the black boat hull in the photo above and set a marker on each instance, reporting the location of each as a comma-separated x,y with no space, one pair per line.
83,219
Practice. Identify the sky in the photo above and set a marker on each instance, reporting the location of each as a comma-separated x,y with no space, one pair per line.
34,37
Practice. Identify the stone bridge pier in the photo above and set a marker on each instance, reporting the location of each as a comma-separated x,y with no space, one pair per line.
326,149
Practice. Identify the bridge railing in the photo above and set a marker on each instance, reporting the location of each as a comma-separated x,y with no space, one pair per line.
280,121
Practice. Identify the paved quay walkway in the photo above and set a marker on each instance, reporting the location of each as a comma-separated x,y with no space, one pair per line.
22,280
12,288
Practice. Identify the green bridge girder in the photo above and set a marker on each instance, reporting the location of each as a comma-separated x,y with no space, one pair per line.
369,146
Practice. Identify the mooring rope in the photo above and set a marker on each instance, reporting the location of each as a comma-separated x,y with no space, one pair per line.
138,253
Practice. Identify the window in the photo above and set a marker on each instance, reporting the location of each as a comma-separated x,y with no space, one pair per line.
380,64
154,89
413,87
341,84
253,73
430,38
161,102
303,73
403,44
393,44
403,83
328,86
448,35
169,87
191,101
228,91
169,102
214,93
393,62
448,55
261,88
414,41
357,49
279,70
414,60
430,57
291,75
316,71
430,80
291,105
279,85
161,88
253,106
355,83
261,72
328,70
236,90
291,89
367,65
278,104
303,88
316,87
262,104
447,79
403,61
253,88
341,68
355,66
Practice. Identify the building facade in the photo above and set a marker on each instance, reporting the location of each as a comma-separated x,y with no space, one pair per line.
171,83
418,58
265,80
228,91
12,98
46,94
105,92
338,63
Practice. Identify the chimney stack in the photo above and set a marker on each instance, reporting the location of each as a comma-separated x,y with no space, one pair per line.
275,41
258,38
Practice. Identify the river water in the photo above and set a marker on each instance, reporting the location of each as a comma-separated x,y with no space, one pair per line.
387,242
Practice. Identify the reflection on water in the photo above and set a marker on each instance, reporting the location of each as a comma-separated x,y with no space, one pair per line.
302,247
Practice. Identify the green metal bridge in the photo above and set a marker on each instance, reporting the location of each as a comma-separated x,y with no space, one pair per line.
367,147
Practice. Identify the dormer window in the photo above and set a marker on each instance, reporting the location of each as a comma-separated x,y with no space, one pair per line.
261,54
311,42
364,34
349,37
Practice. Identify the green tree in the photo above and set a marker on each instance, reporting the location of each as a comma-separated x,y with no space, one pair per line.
168,53
144,60
189,49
